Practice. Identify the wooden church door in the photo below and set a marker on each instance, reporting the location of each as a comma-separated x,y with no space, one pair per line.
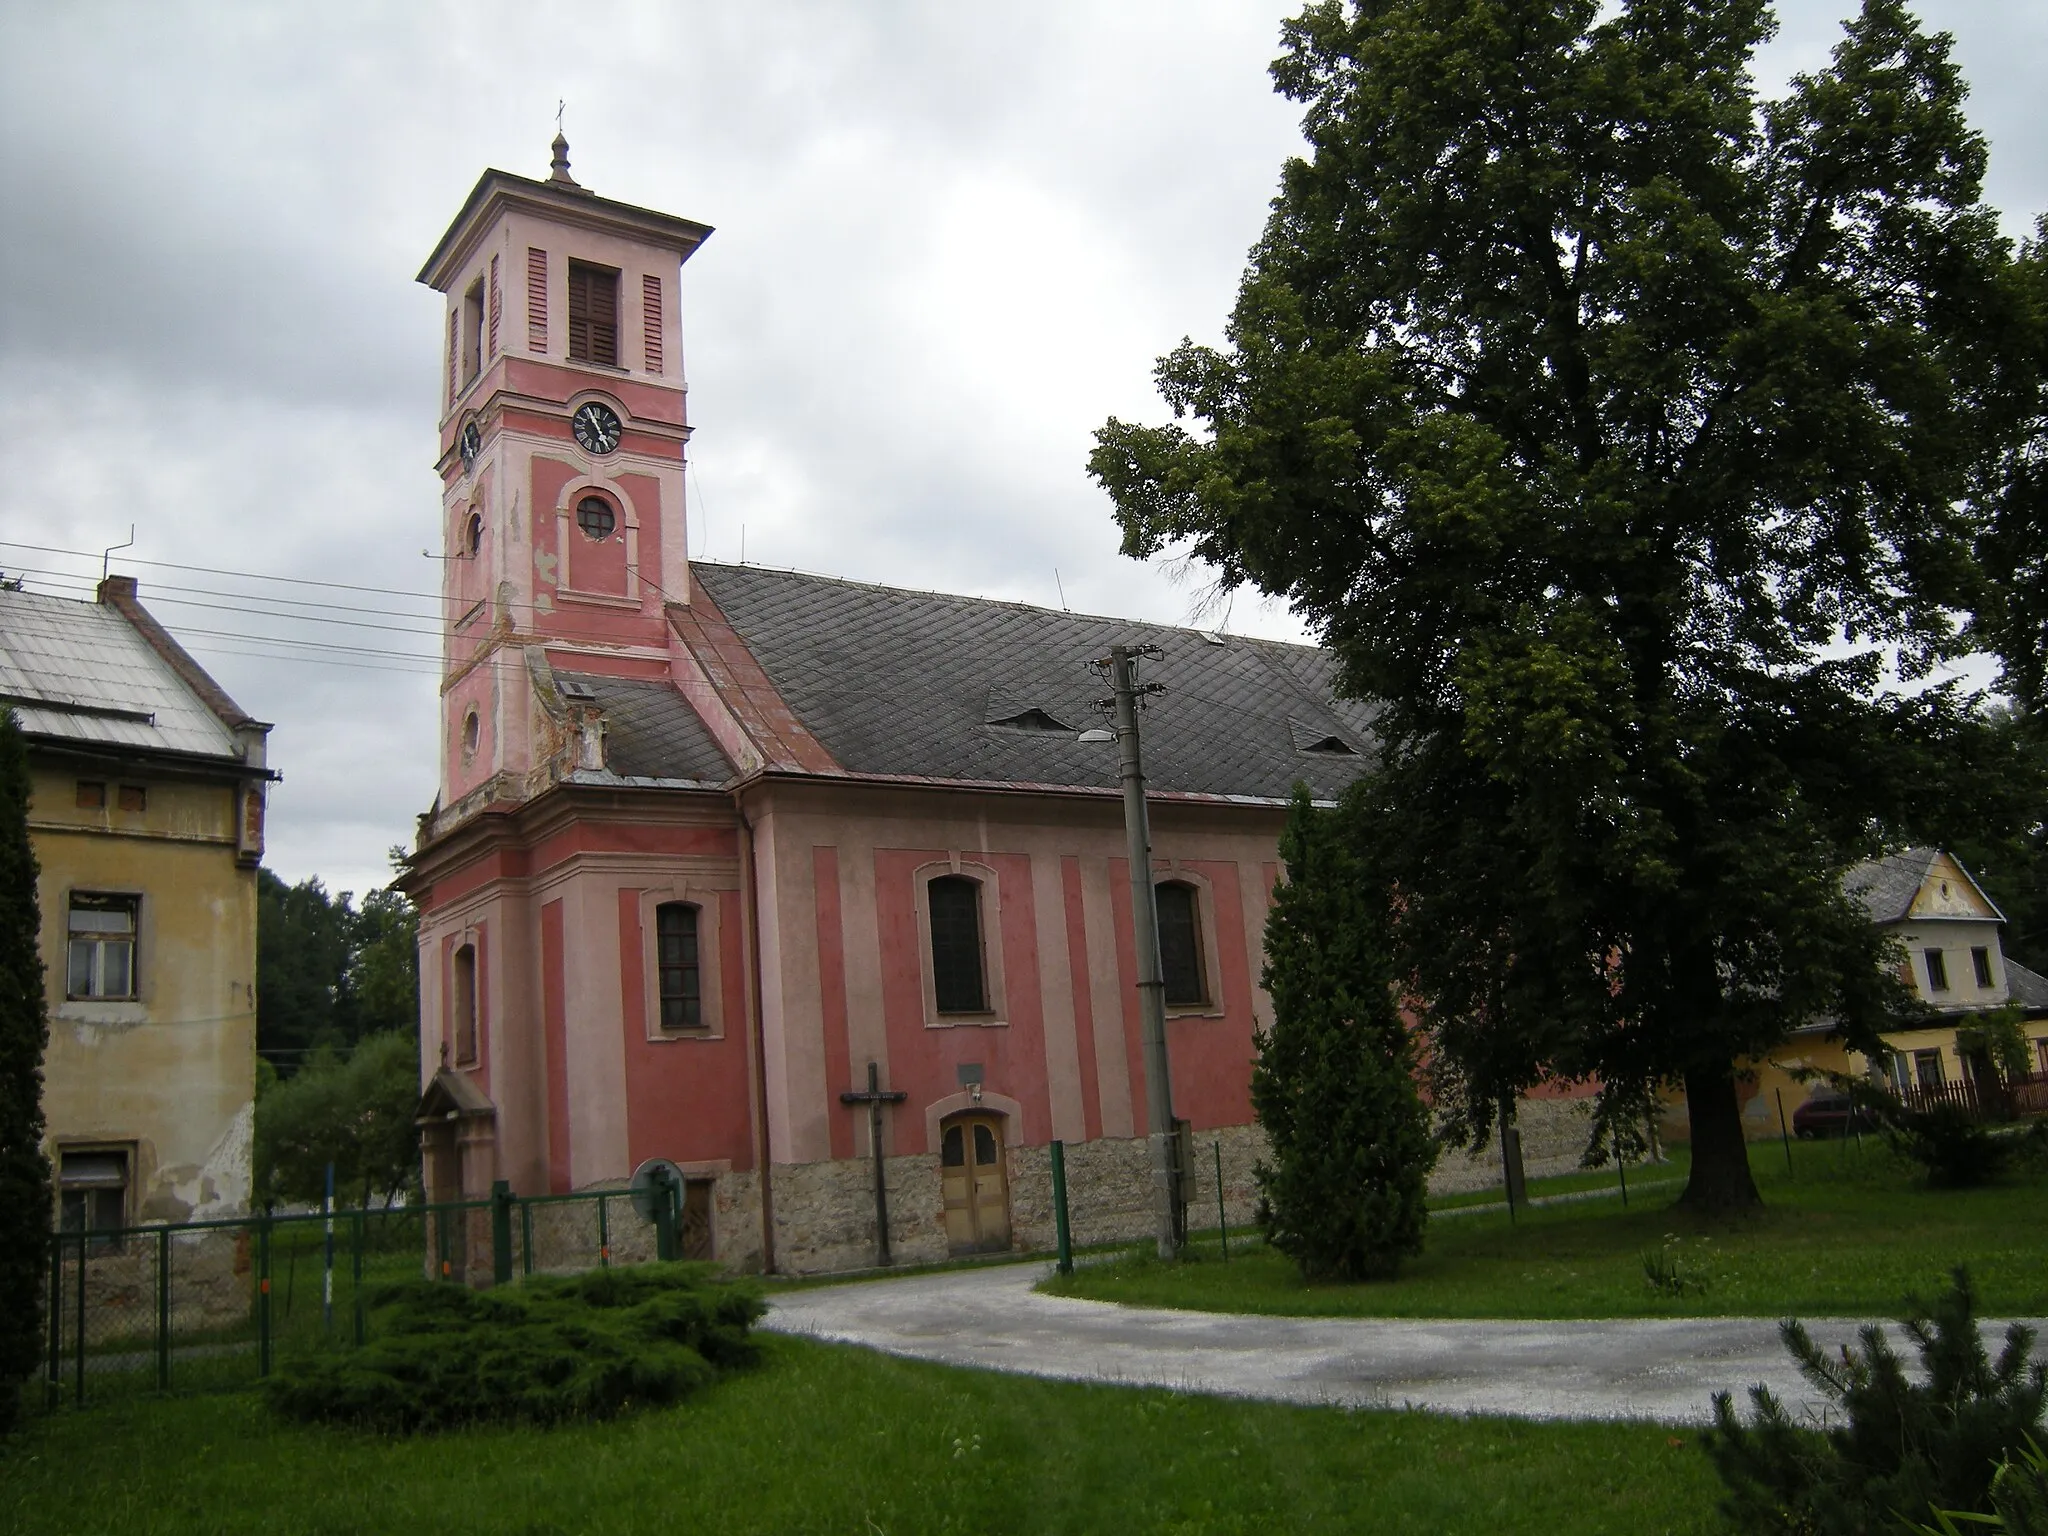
976,1190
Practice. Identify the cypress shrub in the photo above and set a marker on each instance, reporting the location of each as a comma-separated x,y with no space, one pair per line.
1333,1082
24,1032
542,1352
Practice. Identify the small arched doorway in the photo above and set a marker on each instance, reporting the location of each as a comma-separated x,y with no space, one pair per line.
974,1184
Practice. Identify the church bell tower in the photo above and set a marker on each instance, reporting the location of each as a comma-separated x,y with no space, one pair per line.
562,435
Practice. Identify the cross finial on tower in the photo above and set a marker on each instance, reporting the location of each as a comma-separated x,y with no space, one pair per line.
559,175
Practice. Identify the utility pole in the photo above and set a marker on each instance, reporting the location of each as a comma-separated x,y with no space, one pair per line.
1166,1169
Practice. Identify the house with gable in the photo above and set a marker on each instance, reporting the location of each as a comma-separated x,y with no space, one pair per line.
715,845
147,793
1956,967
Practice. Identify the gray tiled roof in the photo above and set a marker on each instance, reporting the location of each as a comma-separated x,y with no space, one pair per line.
650,729
899,682
2027,988
1887,886
79,672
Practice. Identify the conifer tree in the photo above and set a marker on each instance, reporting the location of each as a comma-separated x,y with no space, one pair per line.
24,1031
1334,1079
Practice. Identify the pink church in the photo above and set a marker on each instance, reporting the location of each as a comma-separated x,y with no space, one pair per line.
712,840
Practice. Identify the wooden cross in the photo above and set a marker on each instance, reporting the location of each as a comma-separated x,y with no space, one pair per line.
874,1098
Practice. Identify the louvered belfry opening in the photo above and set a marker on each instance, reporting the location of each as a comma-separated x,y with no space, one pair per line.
593,314
957,982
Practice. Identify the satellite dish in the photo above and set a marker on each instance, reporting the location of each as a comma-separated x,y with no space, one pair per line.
654,1182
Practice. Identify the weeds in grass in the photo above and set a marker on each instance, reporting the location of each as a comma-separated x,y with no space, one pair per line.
1670,1273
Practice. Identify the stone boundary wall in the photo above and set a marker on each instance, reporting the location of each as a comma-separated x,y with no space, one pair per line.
825,1211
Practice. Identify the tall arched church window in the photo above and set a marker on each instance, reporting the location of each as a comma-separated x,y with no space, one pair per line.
1180,946
959,983
464,1002
681,976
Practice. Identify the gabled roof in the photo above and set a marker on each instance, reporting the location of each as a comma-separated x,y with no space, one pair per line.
926,685
87,674
1888,887
451,1095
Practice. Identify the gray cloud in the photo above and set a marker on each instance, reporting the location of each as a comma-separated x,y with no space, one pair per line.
951,240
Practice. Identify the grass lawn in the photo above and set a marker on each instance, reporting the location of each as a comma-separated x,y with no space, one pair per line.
1851,1232
828,1438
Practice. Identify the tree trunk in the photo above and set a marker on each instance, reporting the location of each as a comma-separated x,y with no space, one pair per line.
1720,1180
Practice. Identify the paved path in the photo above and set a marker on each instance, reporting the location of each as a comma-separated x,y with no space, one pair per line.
1651,1369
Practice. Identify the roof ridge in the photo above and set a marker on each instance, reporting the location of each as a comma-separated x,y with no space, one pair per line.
997,602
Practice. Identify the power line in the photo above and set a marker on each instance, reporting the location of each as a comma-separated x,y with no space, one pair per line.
91,583
214,570
296,618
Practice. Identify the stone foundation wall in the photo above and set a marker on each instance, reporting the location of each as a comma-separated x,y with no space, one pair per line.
1554,1136
825,1211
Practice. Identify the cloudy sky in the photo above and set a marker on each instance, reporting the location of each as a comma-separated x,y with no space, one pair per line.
951,240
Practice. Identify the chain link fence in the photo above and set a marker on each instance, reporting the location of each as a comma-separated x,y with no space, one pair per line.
216,1304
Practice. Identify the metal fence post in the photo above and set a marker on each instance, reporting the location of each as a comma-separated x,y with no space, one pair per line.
356,1275
1222,1221
163,1309
664,1218
263,1293
78,1390
604,1236
526,1237
53,1383
501,1232
1783,1132
1059,1207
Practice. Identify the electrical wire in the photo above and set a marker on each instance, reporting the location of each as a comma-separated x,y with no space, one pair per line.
214,570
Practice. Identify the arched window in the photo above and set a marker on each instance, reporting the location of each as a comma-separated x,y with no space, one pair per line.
1180,946
681,977
464,1001
959,984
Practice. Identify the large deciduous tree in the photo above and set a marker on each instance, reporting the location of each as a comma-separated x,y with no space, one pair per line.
25,1204
1622,433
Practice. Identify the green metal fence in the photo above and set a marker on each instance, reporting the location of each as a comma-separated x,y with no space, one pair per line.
207,1304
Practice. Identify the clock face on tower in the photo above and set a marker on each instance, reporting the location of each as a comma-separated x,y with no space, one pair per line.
472,444
596,426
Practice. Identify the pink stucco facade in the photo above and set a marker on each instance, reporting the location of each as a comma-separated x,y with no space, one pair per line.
614,746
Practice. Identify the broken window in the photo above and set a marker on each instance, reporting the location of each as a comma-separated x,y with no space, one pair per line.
92,795
101,962
1981,959
681,977
134,797
958,983
593,314
1180,946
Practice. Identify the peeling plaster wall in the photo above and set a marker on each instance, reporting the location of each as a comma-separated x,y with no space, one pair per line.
168,1077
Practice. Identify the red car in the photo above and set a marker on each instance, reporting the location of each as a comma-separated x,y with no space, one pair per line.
1830,1112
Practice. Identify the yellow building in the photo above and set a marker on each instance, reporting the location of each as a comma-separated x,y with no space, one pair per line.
1948,930
146,813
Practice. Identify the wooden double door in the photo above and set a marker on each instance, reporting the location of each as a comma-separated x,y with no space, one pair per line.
975,1184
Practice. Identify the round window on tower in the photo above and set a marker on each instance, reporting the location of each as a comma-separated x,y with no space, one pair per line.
473,533
595,517
472,730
